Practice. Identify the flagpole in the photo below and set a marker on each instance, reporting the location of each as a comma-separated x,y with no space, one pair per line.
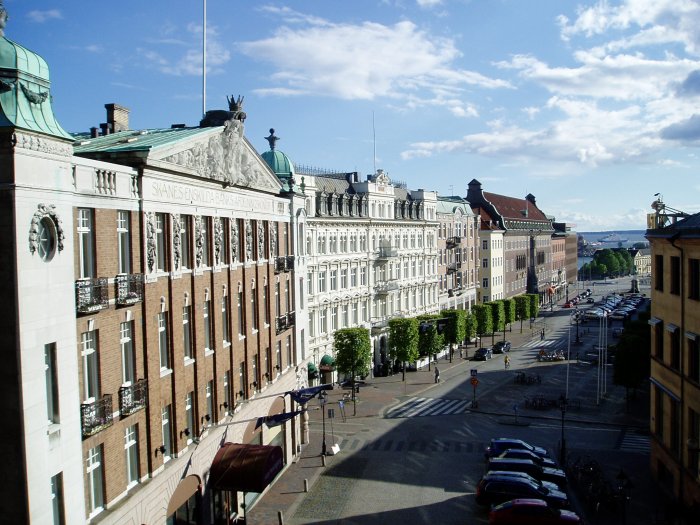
204,59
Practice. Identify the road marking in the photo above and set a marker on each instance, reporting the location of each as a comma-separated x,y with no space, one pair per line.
416,407
632,442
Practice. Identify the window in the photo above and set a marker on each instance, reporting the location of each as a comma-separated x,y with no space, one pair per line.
131,451
57,501
242,378
659,273
278,355
484,263
210,401
223,237
161,259
51,374
290,359
224,320
676,349
659,412
254,307
167,432
189,416
287,296
322,282
485,244
123,242
266,303
485,282
86,243
185,257
91,378
241,316
694,358
187,331
163,349
322,318
363,276
334,279
207,326
694,279
659,340
256,371
95,479
126,341
353,277
675,275
278,301
227,389
675,424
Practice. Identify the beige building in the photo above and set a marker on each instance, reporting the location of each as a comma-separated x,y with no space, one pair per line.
675,356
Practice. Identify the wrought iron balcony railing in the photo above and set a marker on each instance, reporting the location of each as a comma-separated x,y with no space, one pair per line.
129,288
453,242
453,267
133,398
285,321
280,264
91,294
387,252
96,416
386,287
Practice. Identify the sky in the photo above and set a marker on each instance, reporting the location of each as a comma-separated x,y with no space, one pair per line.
591,106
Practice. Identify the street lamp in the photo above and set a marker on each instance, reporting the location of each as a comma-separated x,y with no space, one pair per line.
563,401
322,398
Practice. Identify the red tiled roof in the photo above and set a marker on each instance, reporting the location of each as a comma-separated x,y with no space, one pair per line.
487,221
512,208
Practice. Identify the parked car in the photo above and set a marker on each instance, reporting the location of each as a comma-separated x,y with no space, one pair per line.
590,300
498,445
522,475
521,453
501,347
482,354
554,475
495,490
530,512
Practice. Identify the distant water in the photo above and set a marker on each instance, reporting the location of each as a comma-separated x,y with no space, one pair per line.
632,236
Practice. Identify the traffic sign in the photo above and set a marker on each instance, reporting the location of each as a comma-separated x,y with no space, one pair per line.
474,381
473,372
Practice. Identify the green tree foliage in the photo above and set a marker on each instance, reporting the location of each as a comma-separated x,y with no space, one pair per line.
534,304
429,341
470,326
353,351
522,309
403,341
456,329
498,317
509,310
484,321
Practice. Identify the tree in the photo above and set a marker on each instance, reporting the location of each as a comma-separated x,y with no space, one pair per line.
509,311
484,322
470,327
403,341
522,309
498,317
456,328
353,354
534,304
429,341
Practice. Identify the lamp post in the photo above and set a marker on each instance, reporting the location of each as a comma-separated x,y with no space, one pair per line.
322,396
562,404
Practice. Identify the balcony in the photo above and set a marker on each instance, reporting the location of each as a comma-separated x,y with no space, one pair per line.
284,322
96,416
385,287
290,263
284,263
454,292
129,288
91,294
454,267
453,242
133,398
387,252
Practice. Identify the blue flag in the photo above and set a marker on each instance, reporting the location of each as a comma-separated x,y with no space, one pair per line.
277,419
304,395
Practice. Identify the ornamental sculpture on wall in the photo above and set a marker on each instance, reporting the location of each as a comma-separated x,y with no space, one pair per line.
177,247
273,239
218,239
198,240
151,241
46,232
234,241
248,240
261,240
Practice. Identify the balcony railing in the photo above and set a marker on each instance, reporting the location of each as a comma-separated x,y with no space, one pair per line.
129,288
91,294
453,267
386,287
284,263
133,398
96,416
387,252
453,241
284,322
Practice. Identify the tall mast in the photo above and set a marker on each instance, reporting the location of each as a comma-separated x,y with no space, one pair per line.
204,59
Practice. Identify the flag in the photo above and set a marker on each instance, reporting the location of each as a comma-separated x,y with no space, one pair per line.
304,395
277,419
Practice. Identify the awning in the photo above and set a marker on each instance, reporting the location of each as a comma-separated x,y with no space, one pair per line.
245,468
327,364
311,367
187,488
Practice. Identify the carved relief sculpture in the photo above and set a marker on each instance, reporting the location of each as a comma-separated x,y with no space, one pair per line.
198,240
177,248
248,240
273,239
151,241
45,211
261,240
218,240
235,243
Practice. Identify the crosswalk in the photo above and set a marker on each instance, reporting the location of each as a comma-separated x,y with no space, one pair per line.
550,344
632,442
423,406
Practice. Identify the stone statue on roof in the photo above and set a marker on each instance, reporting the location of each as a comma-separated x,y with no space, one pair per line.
235,106
272,139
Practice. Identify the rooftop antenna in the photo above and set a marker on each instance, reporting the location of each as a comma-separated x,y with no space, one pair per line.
374,145
452,190
204,59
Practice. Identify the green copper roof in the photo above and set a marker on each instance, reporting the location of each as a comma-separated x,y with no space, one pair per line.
279,163
132,141
25,97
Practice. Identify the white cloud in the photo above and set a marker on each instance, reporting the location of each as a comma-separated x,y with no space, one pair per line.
428,3
42,16
365,61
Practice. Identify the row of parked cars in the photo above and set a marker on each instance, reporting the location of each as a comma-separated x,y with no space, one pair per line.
523,485
485,352
584,296
616,307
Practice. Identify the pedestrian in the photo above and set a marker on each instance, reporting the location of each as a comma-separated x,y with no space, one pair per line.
542,335
506,360
437,375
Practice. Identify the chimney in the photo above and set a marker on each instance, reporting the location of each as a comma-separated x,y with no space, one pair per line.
105,127
117,117
93,132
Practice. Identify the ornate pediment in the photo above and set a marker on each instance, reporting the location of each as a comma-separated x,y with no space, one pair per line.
226,157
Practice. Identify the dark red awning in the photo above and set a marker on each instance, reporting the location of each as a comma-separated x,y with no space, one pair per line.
245,468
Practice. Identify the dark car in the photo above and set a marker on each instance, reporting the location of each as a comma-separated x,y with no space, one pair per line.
499,445
522,475
521,453
501,347
482,354
498,490
530,512
554,475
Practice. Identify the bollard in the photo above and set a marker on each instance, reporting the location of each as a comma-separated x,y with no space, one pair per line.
323,460
280,517
306,485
